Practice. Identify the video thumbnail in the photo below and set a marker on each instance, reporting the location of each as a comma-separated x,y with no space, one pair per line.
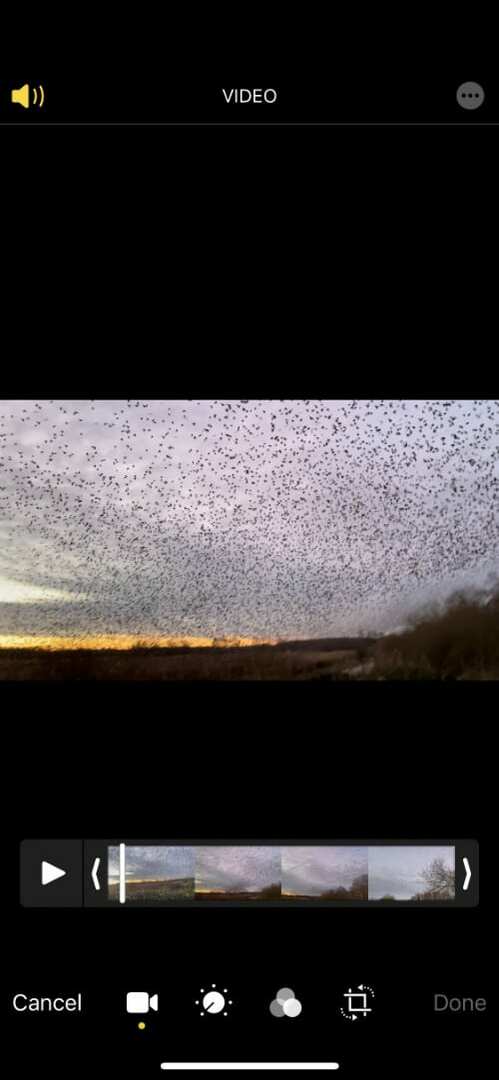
412,873
238,873
153,875
325,873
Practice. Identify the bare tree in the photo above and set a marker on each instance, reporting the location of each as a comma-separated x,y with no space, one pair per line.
439,880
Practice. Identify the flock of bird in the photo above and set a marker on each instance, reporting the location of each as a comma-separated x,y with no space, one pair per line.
241,519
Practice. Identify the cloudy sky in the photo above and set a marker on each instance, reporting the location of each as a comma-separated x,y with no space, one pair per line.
396,871
240,518
237,868
314,870
152,863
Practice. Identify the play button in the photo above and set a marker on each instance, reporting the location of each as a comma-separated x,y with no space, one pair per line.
51,873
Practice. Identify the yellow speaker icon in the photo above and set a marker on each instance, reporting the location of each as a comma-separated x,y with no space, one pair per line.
27,96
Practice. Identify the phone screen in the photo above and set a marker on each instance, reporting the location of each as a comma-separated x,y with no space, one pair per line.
249,589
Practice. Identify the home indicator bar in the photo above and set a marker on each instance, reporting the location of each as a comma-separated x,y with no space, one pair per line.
249,1066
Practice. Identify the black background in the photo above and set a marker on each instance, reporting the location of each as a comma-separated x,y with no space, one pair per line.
273,263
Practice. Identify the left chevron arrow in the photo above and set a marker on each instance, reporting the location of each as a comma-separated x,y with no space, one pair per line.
95,871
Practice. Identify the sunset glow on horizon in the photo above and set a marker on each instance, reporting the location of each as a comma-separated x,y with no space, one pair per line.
124,642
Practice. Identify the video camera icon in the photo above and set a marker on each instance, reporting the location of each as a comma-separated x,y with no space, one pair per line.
141,1002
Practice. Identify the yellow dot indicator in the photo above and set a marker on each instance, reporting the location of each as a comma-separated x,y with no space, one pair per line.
141,1026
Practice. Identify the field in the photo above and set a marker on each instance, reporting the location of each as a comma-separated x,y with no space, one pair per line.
390,660
162,892
271,892
293,660
154,892
355,892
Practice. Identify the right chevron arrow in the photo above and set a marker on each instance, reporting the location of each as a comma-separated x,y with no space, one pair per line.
468,874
